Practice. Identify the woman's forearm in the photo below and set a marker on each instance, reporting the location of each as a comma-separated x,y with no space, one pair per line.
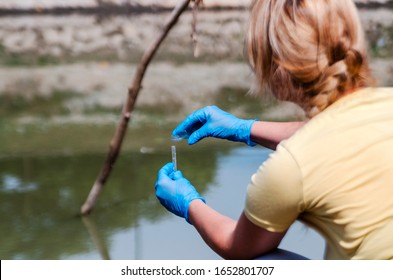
231,239
270,134
215,228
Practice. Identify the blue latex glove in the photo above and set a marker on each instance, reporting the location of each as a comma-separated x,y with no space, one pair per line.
175,192
211,121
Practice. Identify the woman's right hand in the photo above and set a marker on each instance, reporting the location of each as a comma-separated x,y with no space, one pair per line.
211,121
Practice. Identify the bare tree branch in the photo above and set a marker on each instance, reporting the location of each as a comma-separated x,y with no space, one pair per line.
128,107
194,35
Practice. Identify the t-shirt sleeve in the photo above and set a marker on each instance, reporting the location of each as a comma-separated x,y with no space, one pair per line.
274,196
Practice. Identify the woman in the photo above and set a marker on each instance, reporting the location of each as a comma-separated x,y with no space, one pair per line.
334,172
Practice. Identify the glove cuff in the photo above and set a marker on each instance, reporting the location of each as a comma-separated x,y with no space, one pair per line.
247,132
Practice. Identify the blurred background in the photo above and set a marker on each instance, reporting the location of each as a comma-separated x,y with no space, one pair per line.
65,67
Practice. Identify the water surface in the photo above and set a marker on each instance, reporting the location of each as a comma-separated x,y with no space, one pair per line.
41,196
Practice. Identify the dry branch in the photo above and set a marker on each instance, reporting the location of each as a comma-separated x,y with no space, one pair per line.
194,36
128,107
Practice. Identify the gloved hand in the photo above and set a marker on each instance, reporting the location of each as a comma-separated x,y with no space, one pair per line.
175,192
211,121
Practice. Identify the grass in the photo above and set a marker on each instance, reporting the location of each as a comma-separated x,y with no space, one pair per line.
14,106
26,60
237,99
100,109
132,56
381,42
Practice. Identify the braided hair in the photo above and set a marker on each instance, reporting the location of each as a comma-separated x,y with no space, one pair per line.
310,52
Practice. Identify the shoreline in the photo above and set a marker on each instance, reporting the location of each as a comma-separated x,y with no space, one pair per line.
105,10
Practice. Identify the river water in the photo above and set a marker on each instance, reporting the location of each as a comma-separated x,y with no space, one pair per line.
40,198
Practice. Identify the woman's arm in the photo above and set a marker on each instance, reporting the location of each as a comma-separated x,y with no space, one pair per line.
211,121
270,134
231,239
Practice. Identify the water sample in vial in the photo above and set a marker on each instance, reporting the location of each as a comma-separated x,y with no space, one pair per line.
174,160
180,136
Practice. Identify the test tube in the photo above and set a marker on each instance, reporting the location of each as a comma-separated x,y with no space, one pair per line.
174,161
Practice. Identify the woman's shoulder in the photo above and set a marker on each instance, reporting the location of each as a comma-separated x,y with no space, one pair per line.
335,126
363,96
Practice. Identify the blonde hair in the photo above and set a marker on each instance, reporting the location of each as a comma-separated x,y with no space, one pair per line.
307,51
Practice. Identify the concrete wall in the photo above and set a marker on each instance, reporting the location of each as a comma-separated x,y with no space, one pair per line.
49,4
122,37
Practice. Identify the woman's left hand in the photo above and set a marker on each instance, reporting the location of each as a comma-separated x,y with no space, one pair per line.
174,191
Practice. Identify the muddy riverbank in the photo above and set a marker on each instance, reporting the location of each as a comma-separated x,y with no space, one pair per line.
53,38
131,6
90,60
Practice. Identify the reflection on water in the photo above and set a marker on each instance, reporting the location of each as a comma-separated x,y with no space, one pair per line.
40,222
14,184
40,197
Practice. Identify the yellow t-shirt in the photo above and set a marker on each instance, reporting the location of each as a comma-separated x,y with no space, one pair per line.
336,175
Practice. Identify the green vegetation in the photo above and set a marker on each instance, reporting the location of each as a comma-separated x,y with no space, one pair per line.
171,106
132,56
381,41
238,99
26,59
28,126
100,109
14,106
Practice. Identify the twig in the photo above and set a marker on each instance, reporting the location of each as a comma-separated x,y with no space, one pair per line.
128,107
194,35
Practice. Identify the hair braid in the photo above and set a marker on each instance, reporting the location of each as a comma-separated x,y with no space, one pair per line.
310,52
